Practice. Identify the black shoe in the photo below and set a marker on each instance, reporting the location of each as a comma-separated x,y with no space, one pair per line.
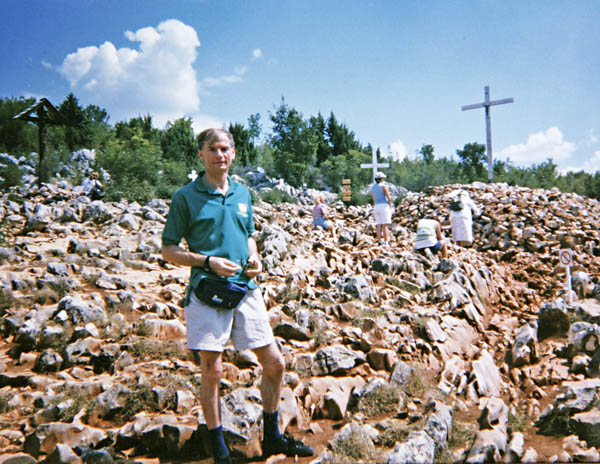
226,460
286,445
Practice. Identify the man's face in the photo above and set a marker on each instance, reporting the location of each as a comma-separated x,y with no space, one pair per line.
217,155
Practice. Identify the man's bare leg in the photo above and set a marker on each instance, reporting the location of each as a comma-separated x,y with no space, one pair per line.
212,372
211,363
273,366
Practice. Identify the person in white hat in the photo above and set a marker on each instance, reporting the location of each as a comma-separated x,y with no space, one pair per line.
462,209
382,208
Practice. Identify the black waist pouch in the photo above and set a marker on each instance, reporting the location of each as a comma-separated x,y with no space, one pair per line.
220,293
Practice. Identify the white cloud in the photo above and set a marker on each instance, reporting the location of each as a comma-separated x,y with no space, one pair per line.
591,138
219,81
158,78
204,121
236,77
591,166
538,148
398,150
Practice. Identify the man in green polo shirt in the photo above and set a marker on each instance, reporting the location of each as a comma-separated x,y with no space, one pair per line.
214,216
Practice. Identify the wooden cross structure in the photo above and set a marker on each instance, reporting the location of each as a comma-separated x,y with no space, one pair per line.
374,165
487,103
41,114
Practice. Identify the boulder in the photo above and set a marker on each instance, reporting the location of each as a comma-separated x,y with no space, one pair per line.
336,360
419,447
587,426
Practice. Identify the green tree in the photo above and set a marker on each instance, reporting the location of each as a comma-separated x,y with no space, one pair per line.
346,166
77,130
254,127
99,127
592,186
178,142
81,128
545,174
134,165
246,150
16,137
423,171
294,144
472,158
126,130
427,153
172,175
317,124
265,159
10,175
341,138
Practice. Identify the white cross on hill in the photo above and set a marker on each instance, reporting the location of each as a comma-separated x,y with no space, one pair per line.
487,103
374,165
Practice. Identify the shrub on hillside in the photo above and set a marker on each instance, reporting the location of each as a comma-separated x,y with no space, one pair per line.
276,196
10,176
134,166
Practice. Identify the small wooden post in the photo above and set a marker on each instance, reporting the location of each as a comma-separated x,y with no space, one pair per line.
346,190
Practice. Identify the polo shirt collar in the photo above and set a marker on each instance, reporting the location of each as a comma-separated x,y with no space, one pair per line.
202,187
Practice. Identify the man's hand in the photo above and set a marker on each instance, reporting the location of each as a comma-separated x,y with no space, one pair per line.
223,267
254,266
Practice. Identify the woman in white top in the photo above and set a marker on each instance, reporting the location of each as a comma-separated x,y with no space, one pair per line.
429,235
461,218
382,209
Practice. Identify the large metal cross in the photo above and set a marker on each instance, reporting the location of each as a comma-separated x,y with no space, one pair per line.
374,165
488,125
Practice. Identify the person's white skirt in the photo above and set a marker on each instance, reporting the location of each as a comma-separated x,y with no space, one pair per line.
382,213
462,228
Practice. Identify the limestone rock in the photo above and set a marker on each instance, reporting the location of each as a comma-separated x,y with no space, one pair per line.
524,350
336,360
419,447
587,426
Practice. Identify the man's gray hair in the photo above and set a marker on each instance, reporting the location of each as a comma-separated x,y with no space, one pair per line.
208,135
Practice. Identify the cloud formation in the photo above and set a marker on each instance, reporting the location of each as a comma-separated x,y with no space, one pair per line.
222,80
157,78
257,53
398,150
538,148
590,166
591,138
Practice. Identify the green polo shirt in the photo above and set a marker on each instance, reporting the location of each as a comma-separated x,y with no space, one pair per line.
212,224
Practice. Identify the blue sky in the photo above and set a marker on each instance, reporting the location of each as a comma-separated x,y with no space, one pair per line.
395,72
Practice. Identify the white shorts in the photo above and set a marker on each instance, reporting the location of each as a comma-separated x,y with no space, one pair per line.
382,213
209,329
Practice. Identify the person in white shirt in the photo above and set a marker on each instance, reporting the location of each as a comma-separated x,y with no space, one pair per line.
429,235
461,218
382,209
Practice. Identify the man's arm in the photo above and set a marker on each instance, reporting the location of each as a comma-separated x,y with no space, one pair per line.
254,263
220,266
474,208
177,255
438,231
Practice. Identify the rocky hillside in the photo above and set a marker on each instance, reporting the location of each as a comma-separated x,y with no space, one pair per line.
392,356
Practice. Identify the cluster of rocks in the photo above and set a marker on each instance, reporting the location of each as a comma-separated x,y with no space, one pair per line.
487,344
